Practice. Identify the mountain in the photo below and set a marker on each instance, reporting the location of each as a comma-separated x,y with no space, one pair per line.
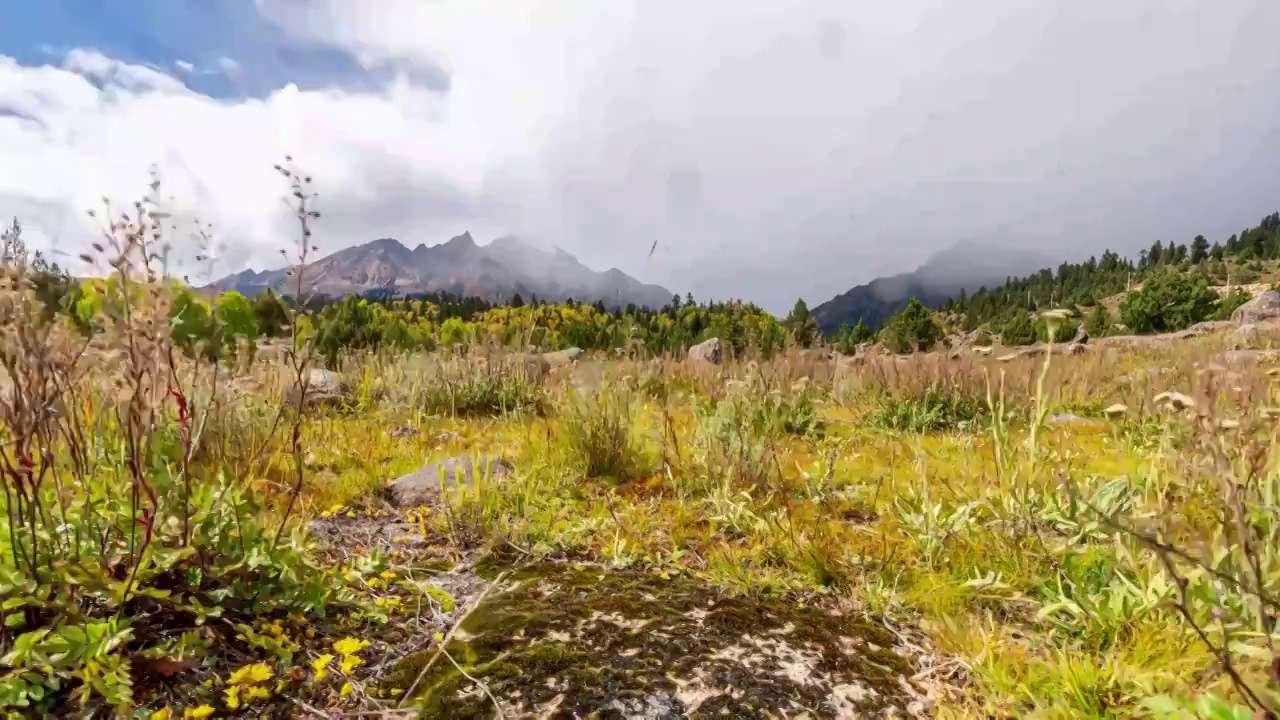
495,272
966,266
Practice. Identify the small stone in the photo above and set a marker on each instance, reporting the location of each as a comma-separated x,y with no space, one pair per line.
1175,400
1116,410
424,486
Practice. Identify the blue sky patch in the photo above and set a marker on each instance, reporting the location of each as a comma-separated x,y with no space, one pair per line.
221,48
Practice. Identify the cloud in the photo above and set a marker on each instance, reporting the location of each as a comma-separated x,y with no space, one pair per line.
106,71
92,128
774,148
227,65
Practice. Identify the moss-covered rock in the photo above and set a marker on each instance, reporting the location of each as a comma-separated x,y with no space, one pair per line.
588,642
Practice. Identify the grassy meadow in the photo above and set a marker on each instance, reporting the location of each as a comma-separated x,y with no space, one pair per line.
1054,536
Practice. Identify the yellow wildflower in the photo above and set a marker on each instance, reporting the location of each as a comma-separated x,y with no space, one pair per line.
350,662
162,714
257,693
250,674
196,713
350,646
387,575
321,665
346,689
232,697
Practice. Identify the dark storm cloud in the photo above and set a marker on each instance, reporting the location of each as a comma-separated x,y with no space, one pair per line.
777,150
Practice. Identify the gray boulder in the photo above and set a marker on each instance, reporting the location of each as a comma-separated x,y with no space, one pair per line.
707,351
1260,309
561,358
322,387
423,486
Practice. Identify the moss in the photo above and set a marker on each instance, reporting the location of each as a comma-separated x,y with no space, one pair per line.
601,640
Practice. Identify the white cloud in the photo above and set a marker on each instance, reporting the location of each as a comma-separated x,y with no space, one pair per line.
67,143
774,148
228,66
96,66
184,66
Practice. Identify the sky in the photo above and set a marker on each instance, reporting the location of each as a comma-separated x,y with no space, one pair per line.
773,149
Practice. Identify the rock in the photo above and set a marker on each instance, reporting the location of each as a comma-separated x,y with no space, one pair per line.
982,350
1007,357
1067,419
1263,307
561,358
1082,336
423,487
403,431
1209,326
1245,336
322,387
1174,400
1116,410
707,351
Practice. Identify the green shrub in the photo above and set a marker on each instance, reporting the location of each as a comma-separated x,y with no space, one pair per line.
1230,303
1065,329
1019,329
911,330
1098,323
1169,300
848,338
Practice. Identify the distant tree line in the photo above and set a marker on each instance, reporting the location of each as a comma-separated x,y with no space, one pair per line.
1166,288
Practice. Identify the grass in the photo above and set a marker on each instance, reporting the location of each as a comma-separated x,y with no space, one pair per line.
156,556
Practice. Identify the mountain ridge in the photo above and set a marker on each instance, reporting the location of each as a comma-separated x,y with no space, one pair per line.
495,271
967,265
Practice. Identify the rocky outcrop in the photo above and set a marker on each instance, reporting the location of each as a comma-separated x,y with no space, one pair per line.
707,352
423,487
1262,308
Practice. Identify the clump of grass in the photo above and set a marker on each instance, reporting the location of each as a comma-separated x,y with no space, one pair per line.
734,438
464,387
599,427
935,408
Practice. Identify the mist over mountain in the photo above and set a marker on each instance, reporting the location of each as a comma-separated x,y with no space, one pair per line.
967,265
495,272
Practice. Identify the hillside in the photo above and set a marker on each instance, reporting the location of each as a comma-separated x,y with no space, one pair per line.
965,266
1247,260
495,272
